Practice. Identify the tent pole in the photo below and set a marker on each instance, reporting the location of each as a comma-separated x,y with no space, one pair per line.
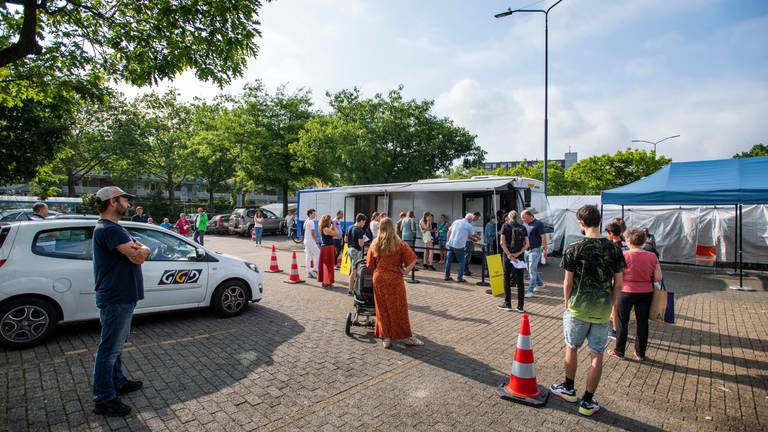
741,246
736,239
622,214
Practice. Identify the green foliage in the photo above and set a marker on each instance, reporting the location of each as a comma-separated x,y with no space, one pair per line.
382,139
595,174
757,150
140,42
32,132
88,205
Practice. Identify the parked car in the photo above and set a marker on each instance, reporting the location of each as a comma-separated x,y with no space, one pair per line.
277,209
46,277
218,224
241,221
21,214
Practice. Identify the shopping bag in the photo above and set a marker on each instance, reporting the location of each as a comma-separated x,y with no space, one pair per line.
669,314
658,305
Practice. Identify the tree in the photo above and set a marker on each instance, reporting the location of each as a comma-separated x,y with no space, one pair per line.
595,174
100,135
211,148
382,140
269,126
163,139
140,42
757,150
32,133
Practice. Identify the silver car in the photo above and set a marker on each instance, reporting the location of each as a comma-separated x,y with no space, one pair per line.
241,221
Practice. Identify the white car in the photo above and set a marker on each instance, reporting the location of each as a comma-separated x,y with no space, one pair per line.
46,277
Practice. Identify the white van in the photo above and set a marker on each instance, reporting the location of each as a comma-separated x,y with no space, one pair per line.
46,277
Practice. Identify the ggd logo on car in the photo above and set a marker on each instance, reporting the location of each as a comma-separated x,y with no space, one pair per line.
178,277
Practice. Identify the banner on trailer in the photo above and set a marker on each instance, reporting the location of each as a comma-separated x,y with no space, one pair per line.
496,274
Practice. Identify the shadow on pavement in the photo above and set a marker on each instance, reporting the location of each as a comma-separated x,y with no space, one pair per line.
445,315
604,416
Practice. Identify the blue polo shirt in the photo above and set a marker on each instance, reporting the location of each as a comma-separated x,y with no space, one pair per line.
535,231
118,280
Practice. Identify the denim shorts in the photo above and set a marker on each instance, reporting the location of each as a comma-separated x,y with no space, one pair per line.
576,330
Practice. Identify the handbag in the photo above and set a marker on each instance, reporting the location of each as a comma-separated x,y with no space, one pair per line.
658,304
669,313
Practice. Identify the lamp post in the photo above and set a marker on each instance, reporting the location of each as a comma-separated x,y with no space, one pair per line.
546,76
655,143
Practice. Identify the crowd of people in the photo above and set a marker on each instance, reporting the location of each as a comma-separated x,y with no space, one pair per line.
606,277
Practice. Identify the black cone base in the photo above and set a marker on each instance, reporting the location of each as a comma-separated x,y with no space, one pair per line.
537,402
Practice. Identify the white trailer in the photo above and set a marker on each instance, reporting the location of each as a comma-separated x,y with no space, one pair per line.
453,198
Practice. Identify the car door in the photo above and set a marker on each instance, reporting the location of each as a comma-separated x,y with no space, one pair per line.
271,221
173,275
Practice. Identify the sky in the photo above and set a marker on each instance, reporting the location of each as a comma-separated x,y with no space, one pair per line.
618,70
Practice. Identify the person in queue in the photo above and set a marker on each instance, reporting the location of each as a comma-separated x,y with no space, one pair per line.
311,250
537,250
327,260
355,243
514,243
643,270
390,259
460,232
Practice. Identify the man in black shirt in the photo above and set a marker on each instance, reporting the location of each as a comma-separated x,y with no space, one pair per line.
356,236
514,243
140,216
117,259
40,211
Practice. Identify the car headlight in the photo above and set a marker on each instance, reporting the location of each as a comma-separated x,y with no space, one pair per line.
252,266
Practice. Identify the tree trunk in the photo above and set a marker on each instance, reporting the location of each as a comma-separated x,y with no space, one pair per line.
171,195
70,184
284,191
211,206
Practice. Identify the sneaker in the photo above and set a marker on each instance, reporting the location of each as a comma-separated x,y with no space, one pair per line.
461,280
129,386
505,307
112,408
560,391
612,334
448,279
519,310
528,294
467,273
588,408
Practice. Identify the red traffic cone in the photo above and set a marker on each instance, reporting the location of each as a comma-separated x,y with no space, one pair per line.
273,267
522,387
294,278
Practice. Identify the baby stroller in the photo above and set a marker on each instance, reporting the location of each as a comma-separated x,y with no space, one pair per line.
364,314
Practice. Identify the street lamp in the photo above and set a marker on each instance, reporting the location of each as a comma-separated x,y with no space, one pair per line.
546,76
655,143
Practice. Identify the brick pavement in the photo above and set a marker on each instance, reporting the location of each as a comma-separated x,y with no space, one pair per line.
286,364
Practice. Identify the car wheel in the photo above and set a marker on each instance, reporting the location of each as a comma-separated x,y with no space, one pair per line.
26,322
230,298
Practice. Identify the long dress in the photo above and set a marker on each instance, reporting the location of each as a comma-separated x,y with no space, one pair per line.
389,292
326,266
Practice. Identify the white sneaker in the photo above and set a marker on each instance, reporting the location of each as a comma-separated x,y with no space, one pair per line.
528,294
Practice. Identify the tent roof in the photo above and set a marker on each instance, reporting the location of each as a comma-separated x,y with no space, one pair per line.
724,181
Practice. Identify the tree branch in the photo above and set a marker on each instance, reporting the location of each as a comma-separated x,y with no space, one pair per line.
27,43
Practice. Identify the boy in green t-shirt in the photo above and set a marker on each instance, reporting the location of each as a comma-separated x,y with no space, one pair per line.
593,277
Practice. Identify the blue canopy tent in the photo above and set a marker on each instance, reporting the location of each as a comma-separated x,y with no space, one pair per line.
715,182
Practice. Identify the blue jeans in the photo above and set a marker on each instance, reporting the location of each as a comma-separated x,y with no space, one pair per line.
460,255
532,259
199,237
259,231
108,369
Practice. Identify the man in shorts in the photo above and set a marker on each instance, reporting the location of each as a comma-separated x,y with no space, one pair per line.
594,267
356,238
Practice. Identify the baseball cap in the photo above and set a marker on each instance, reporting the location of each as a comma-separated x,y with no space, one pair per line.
109,192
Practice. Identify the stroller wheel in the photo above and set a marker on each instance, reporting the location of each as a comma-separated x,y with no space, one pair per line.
348,327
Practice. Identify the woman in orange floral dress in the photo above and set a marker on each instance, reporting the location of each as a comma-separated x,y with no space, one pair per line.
390,259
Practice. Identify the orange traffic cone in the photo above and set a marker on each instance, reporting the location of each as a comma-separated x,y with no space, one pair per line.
522,387
273,267
294,278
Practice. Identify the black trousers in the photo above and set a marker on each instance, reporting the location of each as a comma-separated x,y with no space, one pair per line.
513,275
642,304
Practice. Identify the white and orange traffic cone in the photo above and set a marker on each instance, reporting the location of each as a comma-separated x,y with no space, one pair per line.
273,267
294,278
522,387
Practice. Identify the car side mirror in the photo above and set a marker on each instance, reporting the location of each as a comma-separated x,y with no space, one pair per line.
200,253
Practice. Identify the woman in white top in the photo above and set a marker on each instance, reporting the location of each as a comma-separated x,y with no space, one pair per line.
258,226
375,224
